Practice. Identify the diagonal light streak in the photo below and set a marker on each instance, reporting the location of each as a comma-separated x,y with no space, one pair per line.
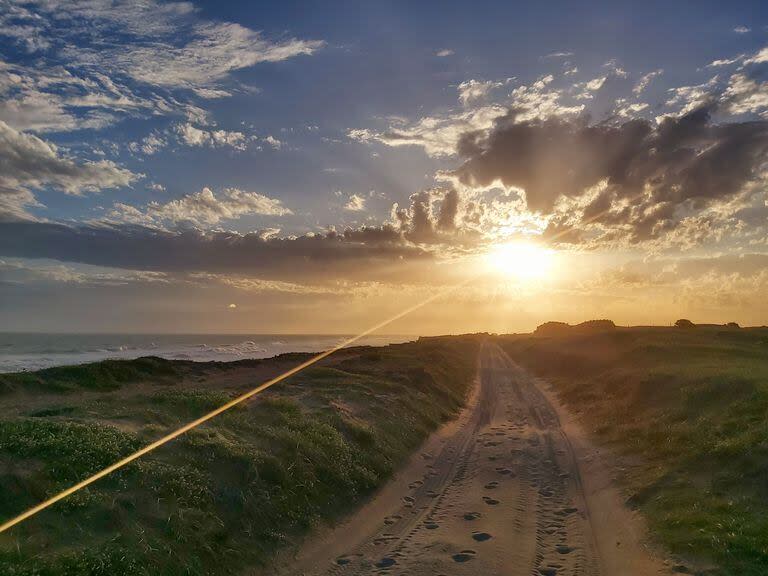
210,415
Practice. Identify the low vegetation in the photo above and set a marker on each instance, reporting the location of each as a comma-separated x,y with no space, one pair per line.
688,409
226,495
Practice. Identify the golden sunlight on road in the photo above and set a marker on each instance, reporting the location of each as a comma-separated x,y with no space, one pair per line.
522,260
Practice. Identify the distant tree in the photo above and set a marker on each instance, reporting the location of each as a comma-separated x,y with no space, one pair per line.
733,325
552,329
595,326
684,323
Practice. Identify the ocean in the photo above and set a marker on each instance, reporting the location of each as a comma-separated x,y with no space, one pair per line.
27,351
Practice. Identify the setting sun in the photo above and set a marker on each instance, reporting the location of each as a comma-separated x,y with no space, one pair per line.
521,260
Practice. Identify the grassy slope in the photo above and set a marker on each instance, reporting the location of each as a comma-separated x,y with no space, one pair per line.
689,409
226,495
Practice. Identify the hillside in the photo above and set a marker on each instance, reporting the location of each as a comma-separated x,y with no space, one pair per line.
228,494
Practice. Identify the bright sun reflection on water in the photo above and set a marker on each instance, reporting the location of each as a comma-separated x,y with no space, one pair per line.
521,260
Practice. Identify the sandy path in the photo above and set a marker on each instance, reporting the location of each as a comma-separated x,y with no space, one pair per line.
512,487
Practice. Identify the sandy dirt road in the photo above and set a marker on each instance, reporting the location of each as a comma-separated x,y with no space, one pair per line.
511,487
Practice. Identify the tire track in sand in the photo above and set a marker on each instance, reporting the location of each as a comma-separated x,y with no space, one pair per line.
501,493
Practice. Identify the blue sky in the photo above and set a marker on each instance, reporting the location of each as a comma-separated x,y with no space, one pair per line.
274,121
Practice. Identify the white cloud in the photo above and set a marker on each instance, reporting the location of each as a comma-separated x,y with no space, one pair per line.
27,161
361,135
193,136
471,91
53,99
758,58
356,203
267,233
14,204
167,54
443,53
18,24
741,29
745,95
439,135
201,209
148,145
273,142
642,84
615,69
725,62
213,51
630,110
540,101
587,89
559,55
687,98
169,43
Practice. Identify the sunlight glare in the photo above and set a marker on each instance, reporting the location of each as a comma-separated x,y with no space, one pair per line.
521,260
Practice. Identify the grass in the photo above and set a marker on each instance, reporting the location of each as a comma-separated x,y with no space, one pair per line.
227,495
688,408
106,375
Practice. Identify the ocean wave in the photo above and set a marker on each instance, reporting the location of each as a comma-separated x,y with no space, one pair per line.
33,353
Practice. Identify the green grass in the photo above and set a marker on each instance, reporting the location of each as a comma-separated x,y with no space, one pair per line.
227,495
106,375
689,410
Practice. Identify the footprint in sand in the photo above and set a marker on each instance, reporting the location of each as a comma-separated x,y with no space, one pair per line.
472,516
492,485
481,536
389,520
343,560
563,549
385,562
464,556
490,501
408,501
415,484
431,525
504,471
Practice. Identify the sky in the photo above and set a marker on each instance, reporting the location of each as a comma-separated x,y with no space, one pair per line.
317,167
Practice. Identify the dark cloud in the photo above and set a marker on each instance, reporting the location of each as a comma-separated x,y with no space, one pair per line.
325,257
431,216
448,211
688,161
406,250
